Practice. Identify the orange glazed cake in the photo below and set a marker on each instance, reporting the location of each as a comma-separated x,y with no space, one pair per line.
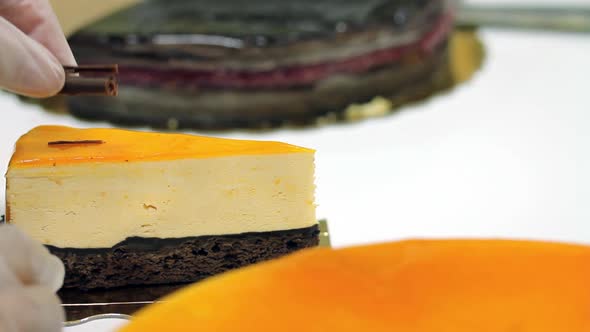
410,286
131,208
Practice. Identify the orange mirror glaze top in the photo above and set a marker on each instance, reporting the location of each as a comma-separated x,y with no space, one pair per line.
426,286
58,145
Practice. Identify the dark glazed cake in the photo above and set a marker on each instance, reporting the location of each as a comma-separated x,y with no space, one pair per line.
248,64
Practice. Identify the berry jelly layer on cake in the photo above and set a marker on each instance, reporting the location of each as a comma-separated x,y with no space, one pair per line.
133,208
225,63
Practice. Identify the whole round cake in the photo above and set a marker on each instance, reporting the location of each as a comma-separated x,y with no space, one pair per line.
408,286
247,64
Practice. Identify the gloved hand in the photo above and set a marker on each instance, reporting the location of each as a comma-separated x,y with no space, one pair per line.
34,48
29,278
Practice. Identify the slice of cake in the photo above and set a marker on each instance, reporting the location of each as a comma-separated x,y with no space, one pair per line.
410,286
131,208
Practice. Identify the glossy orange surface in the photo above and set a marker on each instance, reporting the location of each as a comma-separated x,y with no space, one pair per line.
426,286
74,146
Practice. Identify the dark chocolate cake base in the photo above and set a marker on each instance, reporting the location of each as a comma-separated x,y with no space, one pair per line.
152,261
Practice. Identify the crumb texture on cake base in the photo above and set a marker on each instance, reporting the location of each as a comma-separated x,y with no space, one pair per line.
408,286
151,261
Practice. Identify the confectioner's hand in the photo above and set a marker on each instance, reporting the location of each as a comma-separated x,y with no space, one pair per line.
34,48
29,277
29,261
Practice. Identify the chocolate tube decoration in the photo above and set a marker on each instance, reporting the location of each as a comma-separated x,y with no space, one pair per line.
93,80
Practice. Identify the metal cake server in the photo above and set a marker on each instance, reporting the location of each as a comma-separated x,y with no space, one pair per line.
95,318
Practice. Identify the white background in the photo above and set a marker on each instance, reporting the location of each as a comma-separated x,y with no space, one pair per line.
505,155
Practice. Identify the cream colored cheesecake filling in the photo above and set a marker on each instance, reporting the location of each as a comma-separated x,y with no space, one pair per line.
97,205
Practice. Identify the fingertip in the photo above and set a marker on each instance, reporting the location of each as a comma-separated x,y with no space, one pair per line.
54,38
68,59
30,308
54,273
46,269
56,78
26,66
7,275
48,80
30,261
50,75
45,309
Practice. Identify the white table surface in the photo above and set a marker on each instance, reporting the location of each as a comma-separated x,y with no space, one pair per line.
505,155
